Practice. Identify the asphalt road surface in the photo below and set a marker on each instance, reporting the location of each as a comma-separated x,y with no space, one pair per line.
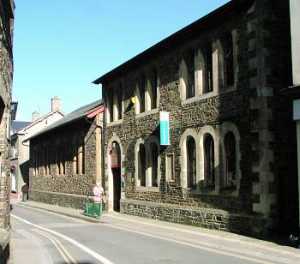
43,237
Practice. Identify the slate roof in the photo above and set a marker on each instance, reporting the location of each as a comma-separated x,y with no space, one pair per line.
70,118
16,126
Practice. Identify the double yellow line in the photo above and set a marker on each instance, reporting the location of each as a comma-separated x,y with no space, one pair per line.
59,246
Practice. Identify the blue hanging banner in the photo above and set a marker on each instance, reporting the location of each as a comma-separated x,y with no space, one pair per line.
164,125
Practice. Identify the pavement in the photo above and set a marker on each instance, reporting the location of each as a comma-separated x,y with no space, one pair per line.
189,236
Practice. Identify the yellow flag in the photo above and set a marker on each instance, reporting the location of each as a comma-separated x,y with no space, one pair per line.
133,99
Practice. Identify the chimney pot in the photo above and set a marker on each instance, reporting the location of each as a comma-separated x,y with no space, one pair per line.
55,104
35,116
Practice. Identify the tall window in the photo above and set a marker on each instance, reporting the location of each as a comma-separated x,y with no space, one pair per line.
209,70
35,161
119,102
75,158
83,157
228,57
154,164
230,158
109,105
170,173
154,90
47,160
209,160
191,74
142,90
191,162
142,165
80,158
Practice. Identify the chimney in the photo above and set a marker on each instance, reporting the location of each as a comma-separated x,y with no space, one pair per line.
35,116
55,104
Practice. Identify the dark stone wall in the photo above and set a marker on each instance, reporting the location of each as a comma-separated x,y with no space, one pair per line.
255,107
70,189
6,78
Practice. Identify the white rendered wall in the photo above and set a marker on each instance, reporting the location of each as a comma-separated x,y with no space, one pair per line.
295,37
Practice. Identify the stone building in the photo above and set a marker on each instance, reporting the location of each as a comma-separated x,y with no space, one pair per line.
66,159
228,165
20,149
6,76
292,93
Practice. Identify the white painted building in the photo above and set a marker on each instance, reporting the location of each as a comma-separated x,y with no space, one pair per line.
20,148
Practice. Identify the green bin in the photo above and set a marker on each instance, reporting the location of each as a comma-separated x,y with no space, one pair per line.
93,209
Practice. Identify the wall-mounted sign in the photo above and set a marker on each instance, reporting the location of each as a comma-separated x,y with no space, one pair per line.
296,114
164,125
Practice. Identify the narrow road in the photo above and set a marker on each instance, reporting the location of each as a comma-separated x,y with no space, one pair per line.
43,237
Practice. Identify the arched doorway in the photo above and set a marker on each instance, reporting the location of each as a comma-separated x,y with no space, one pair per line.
115,157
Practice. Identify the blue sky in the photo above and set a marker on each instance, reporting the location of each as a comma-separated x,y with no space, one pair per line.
61,46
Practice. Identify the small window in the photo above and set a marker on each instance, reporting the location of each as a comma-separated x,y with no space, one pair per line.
191,74
109,105
191,162
228,58
209,160
154,90
119,102
170,173
230,158
154,164
142,165
142,90
209,70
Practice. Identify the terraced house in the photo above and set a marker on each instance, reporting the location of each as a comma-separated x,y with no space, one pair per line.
6,76
229,164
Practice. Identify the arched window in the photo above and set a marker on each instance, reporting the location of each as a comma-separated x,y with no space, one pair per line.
154,164
209,160
191,162
142,165
230,158
228,59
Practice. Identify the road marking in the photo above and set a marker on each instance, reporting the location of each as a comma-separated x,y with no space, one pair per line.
116,216
59,246
68,239
221,248
43,210
194,246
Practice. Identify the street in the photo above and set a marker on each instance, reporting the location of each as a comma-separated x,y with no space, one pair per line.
43,237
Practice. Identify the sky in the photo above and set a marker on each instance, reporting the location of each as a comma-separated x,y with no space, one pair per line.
61,46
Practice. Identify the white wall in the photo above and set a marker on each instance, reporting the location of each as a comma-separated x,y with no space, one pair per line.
23,147
295,37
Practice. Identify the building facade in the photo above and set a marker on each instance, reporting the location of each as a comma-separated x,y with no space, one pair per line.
227,165
20,148
66,159
6,77
292,93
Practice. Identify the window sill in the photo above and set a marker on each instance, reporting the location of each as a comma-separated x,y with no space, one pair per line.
209,190
230,190
199,98
208,95
147,189
115,123
151,112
